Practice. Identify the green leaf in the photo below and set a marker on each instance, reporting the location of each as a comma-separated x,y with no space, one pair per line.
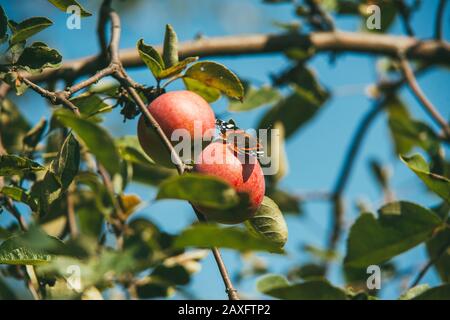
293,112
14,52
12,164
46,192
255,98
130,150
151,58
199,189
170,50
177,68
11,254
268,222
308,271
414,292
400,227
304,82
33,136
20,195
151,174
288,203
39,56
270,282
90,104
208,93
65,166
441,292
436,183
64,4
28,28
406,132
278,287
217,76
96,138
30,248
211,235
438,249
3,24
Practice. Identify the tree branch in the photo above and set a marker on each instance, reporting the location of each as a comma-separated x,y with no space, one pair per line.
429,107
336,41
54,97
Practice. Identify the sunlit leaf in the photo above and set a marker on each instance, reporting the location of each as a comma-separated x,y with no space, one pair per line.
63,5
217,76
210,94
414,292
20,195
441,292
131,150
12,164
28,28
151,58
438,184
177,68
91,104
170,49
268,222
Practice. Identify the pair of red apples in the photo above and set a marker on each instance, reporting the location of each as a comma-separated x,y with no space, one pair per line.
181,110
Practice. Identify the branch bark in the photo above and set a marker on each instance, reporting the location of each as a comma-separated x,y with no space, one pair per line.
257,44
420,95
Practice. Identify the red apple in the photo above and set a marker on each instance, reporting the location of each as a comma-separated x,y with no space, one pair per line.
245,176
175,110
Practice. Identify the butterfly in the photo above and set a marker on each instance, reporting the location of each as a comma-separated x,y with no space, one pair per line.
240,141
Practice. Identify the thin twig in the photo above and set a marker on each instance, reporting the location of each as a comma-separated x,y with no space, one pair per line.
429,264
54,97
229,288
104,10
319,17
438,29
405,15
429,107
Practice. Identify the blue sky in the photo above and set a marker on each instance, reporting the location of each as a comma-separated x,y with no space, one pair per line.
315,152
